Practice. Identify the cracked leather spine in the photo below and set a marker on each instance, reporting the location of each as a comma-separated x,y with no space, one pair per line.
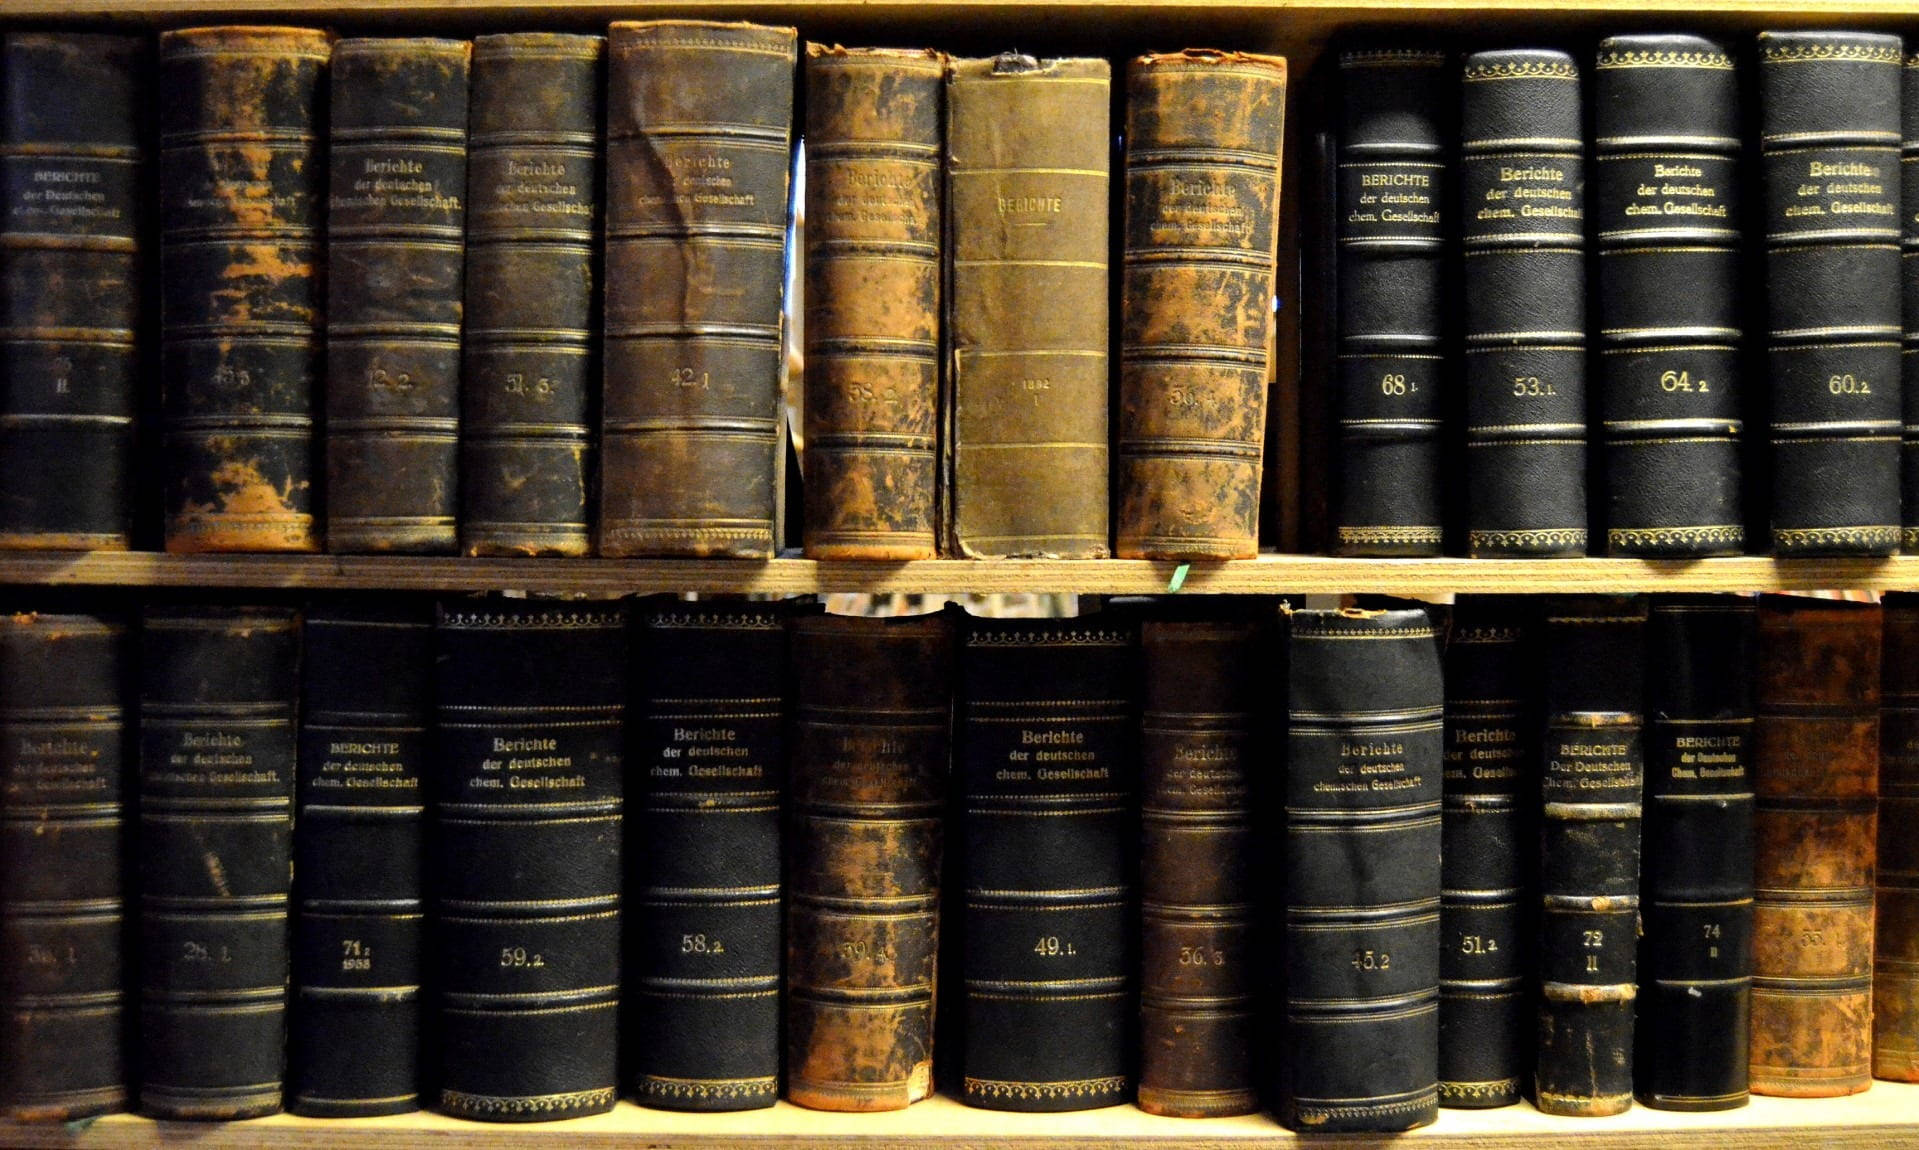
1895,975
1909,309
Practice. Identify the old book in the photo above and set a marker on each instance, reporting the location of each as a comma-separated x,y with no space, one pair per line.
1391,228
873,239
872,702
1895,974
1203,134
242,191
62,912
1816,773
1909,310
1523,247
533,215
703,944
1028,162
1666,211
1829,142
698,148
218,685
359,925
1695,944
72,160
396,248
529,739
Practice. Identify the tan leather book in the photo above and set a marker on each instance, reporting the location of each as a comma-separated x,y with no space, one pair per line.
1895,965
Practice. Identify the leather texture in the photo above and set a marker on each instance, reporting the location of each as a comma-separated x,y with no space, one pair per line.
1909,286
1895,975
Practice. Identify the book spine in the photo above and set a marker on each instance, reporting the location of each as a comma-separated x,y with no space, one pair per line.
218,688
698,148
242,191
1391,230
871,745
358,857
709,766
1909,310
1523,242
71,178
1829,141
1696,896
1816,773
62,912
1895,973
1203,136
1028,164
1666,210
525,901
873,237
533,204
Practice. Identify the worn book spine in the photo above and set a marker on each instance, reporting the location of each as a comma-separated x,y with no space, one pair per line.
698,149
1816,774
1391,230
1523,246
62,912
1488,824
709,768
1028,163
1829,141
1667,218
217,696
359,921
72,161
1895,960
872,702
242,192
873,240
525,902
1909,311
533,215
1203,134
1696,895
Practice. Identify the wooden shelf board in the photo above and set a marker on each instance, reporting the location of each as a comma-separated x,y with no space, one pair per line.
323,9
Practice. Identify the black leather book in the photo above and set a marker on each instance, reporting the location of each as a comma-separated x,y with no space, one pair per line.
525,890
218,686
1829,140
1696,892
1909,282
1489,823
62,918
1666,226
1589,854
1046,779
703,938
1522,229
1391,223
359,922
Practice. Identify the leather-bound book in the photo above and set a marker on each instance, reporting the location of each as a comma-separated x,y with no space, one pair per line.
873,240
1203,133
1895,974
1522,227
1047,788
71,181
703,939
359,925
872,702
218,687
1391,225
1592,784
525,894
1829,141
242,193
62,918
1666,211
1909,285
1816,772
699,121
396,247
533,215
1695,944
1028,162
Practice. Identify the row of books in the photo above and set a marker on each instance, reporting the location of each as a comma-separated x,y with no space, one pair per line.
708,854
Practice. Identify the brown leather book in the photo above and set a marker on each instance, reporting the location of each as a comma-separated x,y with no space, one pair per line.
1895,967
1029,159
872,301
1816,773
698,147
1203,132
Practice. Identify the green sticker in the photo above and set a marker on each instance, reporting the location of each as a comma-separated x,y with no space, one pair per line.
1179,577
